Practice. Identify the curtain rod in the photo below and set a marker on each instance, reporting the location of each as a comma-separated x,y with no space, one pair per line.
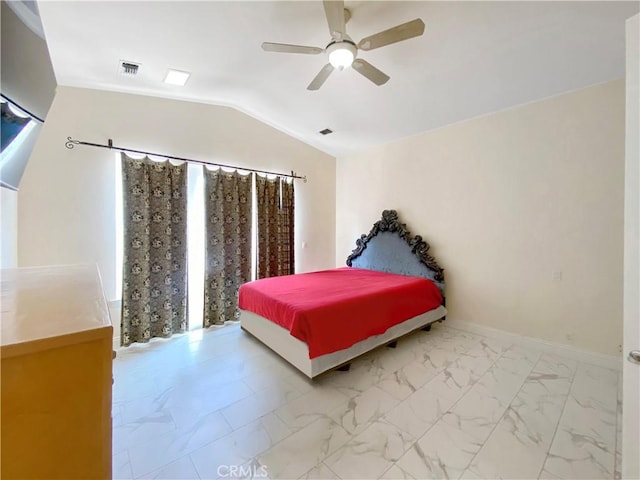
32,115
70,143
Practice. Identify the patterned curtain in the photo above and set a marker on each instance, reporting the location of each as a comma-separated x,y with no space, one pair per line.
154,287
275,227
228,247
286,225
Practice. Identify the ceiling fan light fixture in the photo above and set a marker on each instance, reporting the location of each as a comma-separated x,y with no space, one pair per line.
341,54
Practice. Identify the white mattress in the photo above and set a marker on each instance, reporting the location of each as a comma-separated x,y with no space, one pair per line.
296,352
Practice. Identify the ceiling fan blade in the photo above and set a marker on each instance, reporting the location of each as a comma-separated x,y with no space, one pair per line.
372,73
334,11
411,29
286,48
321,77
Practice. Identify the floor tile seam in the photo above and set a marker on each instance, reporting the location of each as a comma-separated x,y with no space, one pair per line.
432,424
488,437
264,367
404,451
275,412
598,400
443,398
350,437
581,400
128,461
173,422
473,383
438,372
239,427
555,432
144,474
192,450
280,404
217,410
413,444
495,426
440,418
154,396
195,467
295,430
390,467
597,434
232,432
235,401
188,455
227,422
378,418
449,363
328,467
268,434
382,412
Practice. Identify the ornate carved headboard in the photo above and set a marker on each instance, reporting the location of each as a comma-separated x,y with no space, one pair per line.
389,247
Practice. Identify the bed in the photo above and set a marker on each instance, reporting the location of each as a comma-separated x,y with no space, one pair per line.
318,321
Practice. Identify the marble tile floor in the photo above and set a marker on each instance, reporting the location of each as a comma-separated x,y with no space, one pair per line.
444,404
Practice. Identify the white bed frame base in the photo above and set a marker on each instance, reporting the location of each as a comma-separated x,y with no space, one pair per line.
296,352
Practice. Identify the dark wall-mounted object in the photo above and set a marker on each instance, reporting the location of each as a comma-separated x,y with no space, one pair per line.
27,79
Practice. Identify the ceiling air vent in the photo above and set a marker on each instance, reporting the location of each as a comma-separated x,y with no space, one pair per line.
326,131
128,68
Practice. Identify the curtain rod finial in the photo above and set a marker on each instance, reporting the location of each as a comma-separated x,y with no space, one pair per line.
69,143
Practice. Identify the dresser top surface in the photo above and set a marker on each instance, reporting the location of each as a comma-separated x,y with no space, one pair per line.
39,303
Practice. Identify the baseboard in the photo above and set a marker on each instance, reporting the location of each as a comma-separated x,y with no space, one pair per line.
584,356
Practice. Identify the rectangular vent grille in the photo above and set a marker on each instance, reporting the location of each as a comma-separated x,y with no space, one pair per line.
129,68
326,131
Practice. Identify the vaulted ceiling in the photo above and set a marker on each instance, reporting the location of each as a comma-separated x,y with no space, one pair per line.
474,58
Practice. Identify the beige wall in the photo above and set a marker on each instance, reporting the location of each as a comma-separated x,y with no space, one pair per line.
523,208
8,228
631,372
66,211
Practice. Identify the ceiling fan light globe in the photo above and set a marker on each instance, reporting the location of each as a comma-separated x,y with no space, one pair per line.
341,55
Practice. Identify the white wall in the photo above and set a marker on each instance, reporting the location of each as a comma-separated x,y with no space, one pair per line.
631,372
66,199
8,228
511,202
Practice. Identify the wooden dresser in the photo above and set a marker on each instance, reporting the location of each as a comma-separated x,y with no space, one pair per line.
56,374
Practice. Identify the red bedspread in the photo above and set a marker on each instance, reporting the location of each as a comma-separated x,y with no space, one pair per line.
333,309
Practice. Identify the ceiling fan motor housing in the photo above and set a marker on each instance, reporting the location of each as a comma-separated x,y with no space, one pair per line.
342,53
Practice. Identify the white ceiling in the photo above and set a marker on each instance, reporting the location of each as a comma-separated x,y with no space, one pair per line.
474,58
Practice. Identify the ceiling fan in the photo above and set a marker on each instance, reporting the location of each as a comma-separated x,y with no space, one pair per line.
342,50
